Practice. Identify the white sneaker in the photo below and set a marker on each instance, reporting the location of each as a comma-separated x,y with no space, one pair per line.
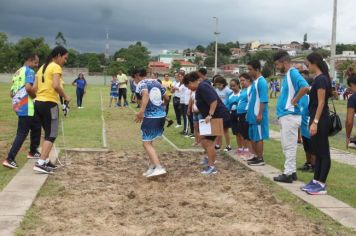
149,170
178,126
157,171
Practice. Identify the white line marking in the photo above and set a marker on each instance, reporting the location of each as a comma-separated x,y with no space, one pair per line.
103,120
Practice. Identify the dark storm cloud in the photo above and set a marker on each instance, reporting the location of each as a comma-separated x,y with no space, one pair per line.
164,24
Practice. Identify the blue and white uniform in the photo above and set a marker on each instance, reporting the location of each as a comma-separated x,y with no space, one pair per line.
291,85
258,95
303,104
154,118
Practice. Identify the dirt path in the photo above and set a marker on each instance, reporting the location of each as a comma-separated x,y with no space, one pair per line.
107,195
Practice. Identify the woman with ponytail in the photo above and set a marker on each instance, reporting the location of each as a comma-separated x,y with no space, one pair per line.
320,93
49,84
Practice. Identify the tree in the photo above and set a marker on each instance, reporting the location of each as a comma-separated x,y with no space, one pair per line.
60,40
28,45
73,59
8,55
135,56
200,48
306,46
324,53
94,64
114,67
176,66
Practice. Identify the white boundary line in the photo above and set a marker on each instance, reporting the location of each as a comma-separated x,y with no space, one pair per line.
103,121
171,143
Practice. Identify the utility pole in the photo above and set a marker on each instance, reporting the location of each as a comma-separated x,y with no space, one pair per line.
107,53
333,42
216,33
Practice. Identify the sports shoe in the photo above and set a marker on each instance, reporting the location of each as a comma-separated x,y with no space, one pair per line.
307,186
43,168
305,167
253,159
192,136
228,148
178,126
156,172
149,170
316,189
9,164
118,105
51,165
126,104
217,147
258,162
283,178
170,123
209,170
35,155
294,176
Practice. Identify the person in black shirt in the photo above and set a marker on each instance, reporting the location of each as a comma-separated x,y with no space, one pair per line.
210,106
320,93
351,106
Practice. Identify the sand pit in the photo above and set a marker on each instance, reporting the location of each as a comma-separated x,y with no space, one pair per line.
106,194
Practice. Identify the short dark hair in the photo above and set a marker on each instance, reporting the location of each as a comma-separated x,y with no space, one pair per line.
220,80
191,77
246,76
256,64
142,72
30,56
203,71
351,79
281,55
236,81
134,72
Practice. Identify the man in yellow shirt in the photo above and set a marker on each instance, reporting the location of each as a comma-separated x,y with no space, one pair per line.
49,85
168,85
122,79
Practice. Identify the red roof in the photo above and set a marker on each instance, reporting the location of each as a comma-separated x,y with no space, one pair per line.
185,63
157,64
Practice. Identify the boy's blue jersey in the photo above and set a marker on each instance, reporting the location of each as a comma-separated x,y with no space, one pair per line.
155,108
303,104
80,83
243,101
232,101
258,95
114,86
293,81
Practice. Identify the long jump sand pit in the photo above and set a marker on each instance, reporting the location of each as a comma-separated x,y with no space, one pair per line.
106,194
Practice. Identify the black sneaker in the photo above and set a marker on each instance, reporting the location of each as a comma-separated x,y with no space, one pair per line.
257,162
43,168
9,164
170,123
305,167
294,176
51,165
252,159
228,148
217,147
284,178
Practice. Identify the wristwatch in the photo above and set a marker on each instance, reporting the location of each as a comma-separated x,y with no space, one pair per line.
316,121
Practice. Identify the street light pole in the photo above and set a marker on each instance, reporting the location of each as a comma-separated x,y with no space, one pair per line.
216,33
333,42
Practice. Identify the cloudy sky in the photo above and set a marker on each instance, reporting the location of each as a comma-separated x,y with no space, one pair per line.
175,24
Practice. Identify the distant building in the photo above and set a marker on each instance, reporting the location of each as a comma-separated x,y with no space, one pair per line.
268,47
234,69
237,53
254,45
342,58
169,56
157,67
187,66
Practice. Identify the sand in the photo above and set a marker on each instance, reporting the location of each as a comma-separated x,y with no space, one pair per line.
106,194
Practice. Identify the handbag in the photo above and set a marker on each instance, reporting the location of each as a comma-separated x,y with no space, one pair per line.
335,125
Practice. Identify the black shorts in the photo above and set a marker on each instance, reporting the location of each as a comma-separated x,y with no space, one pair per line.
138,96
211,138
227,123
307,145
48,113
243,126
234,126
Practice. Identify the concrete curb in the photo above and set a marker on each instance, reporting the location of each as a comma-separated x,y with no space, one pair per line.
336,209
19,194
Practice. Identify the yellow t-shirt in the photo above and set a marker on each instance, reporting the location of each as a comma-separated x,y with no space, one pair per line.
45,91
168,85
121,79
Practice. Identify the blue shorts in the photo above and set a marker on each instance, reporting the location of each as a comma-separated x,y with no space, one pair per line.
152,128
258,132
197,117
114,94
